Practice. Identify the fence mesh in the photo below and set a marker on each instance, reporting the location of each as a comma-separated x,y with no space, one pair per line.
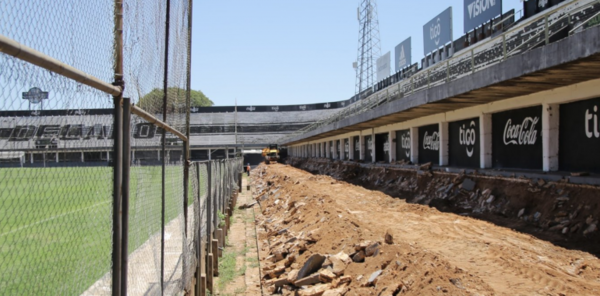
56,150
55,181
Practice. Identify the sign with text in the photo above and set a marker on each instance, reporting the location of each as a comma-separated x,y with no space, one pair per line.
477,12
403,145
383,66
429,144
464,143
437,31
579,136
517,138
382,147
403,54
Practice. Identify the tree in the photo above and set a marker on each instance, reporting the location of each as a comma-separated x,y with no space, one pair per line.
153,101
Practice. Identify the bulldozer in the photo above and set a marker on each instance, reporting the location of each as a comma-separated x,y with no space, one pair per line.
271,153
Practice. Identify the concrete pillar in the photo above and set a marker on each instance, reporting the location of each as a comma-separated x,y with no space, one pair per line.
444,143
107,156
327,150
361,142
31,159
56,156
414,144
374,152
226,152
350,148
209,154
392,141
485,140
550,122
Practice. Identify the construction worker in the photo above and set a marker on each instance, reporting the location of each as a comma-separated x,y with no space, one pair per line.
248,169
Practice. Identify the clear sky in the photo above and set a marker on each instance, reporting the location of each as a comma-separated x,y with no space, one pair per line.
279,52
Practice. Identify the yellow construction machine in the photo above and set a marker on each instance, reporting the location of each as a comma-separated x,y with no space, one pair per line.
271,153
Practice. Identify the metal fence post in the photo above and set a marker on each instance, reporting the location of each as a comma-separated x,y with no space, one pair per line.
117,151
164,148
125,192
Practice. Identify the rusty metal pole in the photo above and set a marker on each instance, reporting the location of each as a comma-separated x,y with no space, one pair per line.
117,150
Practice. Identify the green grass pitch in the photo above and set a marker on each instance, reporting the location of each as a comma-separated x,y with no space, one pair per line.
56,224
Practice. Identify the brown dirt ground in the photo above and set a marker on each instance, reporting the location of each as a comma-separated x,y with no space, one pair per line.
432,253
559,212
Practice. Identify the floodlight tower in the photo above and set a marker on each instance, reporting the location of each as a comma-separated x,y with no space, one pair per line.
369,45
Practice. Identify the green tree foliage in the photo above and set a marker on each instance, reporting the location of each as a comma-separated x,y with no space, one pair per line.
153,101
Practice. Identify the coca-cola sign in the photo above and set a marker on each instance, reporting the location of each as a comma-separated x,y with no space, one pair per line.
464,143
579,136
403,145
523,133
516,138
429,140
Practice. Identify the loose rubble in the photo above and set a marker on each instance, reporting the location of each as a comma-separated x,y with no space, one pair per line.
312,242
554,211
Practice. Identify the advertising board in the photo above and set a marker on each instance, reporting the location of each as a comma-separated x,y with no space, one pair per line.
477,12
429,144
403,145
464,143
579,136
438,31
403,54
517,138
383,66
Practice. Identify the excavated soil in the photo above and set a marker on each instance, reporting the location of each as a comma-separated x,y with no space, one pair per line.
562,213
321,236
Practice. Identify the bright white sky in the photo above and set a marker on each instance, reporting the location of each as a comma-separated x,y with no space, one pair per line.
267,52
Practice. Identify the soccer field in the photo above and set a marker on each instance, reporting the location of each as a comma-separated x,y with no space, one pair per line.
56,224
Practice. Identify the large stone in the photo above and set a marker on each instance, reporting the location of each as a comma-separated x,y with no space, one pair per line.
468,185
389,238
336,292
372,250
317,290
338,266
359,257
309,280
326,275
311,265
373,277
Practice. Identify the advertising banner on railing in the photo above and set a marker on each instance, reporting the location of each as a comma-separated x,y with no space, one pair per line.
517,138
579,138
464,143
477,12
429,144
383,66
403,145
437,31
403,54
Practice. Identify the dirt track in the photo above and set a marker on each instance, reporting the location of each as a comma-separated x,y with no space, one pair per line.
432,253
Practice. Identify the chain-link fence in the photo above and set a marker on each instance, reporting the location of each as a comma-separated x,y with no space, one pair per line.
95,193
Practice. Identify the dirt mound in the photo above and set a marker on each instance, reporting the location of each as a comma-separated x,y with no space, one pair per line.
562,213
325,237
